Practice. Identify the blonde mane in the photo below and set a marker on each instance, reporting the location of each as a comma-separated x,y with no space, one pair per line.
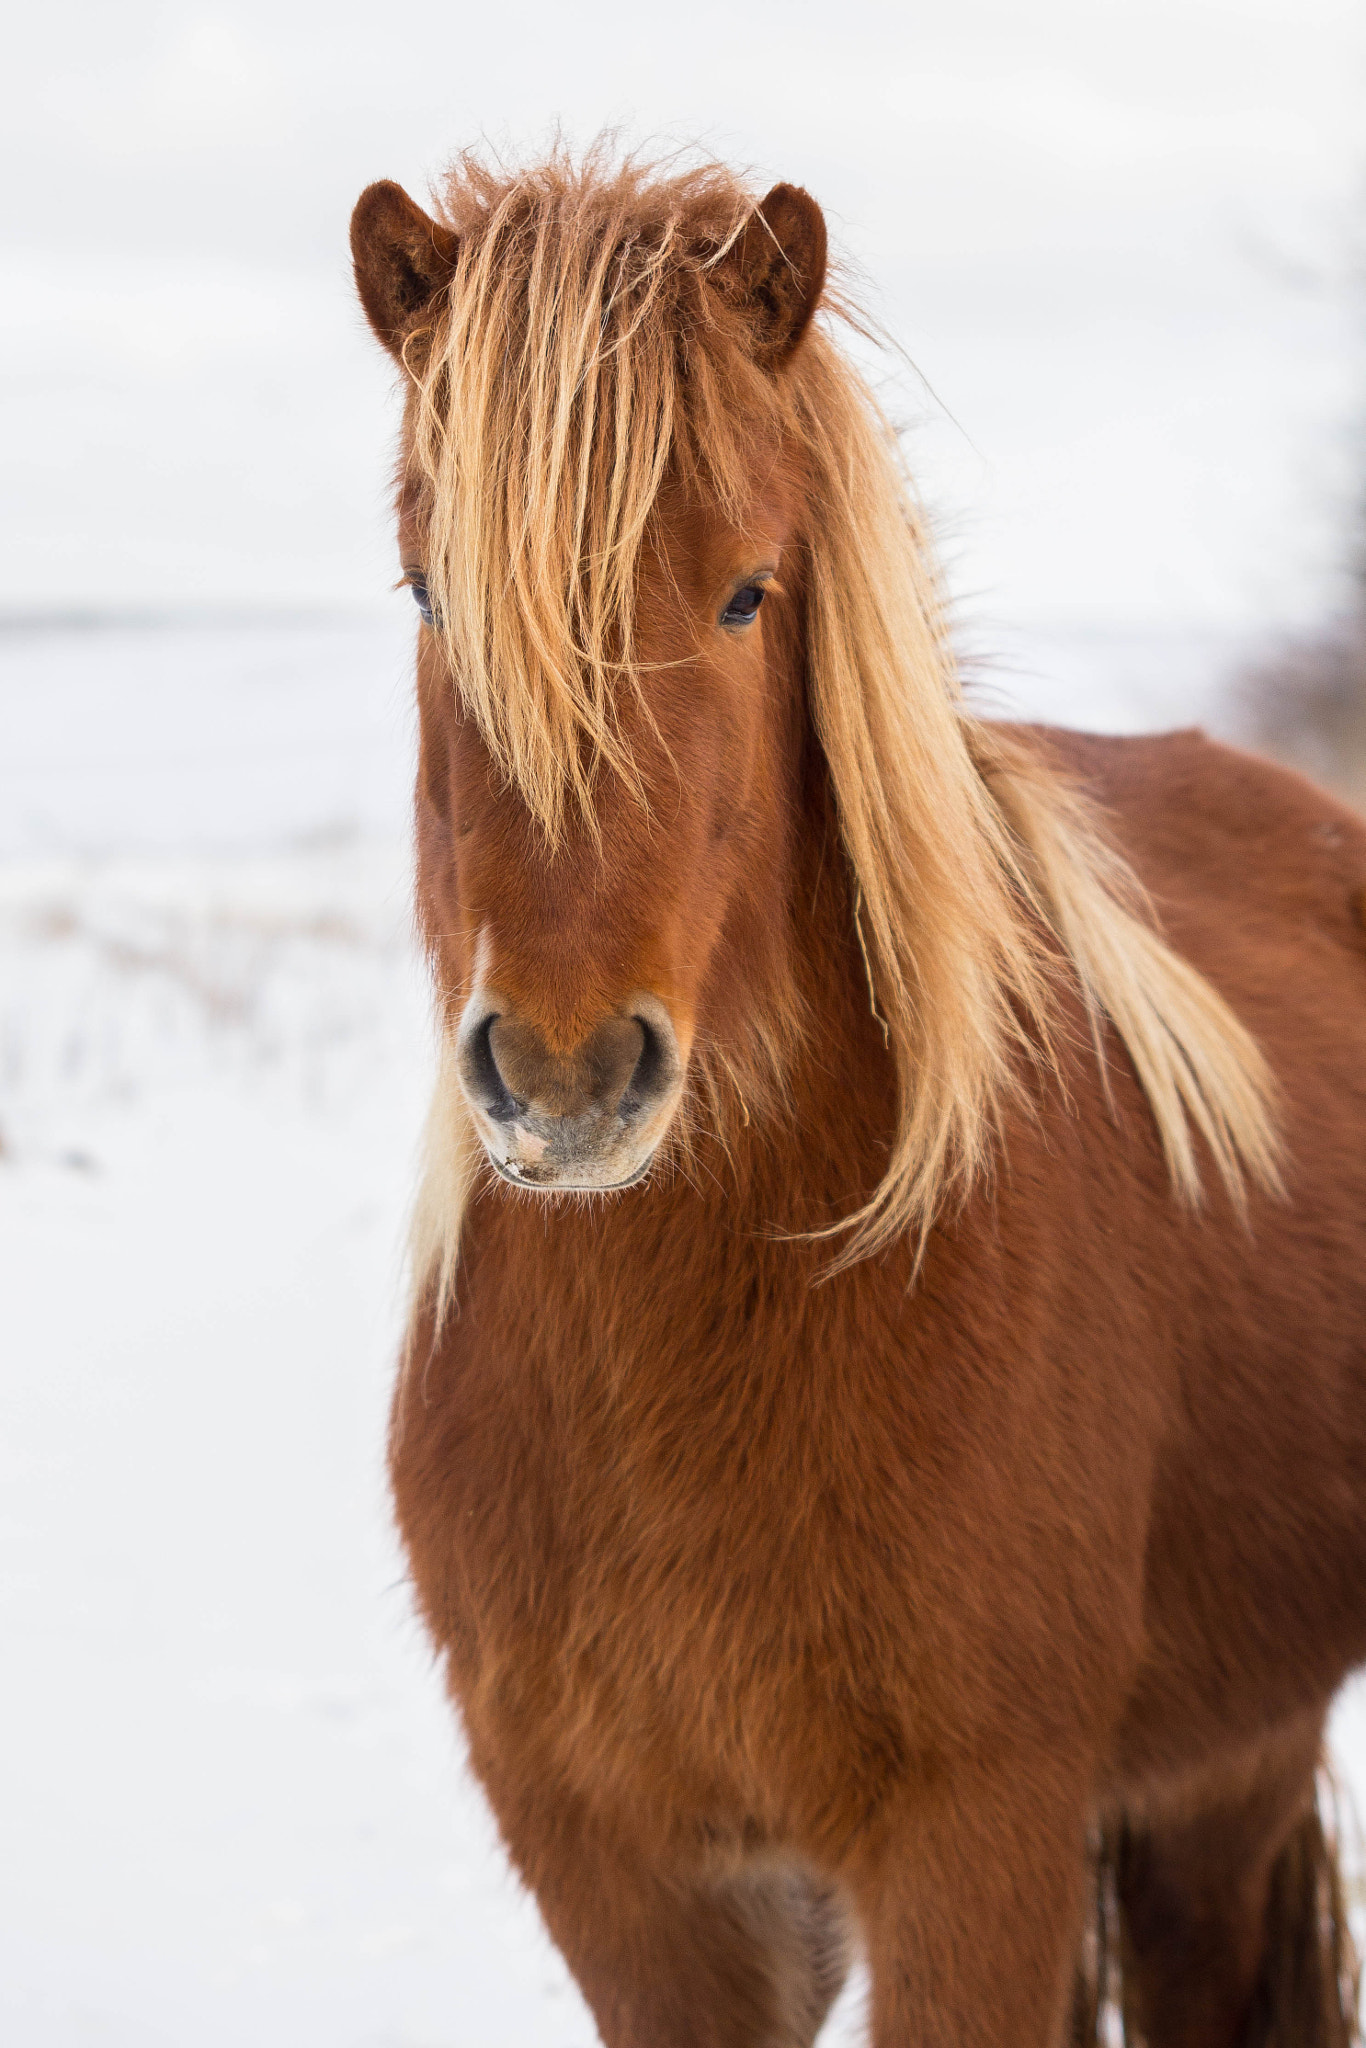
585,349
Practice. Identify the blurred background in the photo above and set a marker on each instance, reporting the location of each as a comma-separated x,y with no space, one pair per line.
1121,242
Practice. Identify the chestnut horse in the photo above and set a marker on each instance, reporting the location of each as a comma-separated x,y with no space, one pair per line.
924,1516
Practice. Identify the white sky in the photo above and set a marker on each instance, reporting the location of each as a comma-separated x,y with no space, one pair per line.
1116,239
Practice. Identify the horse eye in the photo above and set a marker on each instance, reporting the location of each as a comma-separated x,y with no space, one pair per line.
744,605
421,599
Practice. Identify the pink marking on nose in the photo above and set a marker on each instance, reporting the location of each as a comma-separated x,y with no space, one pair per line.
529,1144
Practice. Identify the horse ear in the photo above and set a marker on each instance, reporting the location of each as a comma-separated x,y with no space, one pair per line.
402,260
775,269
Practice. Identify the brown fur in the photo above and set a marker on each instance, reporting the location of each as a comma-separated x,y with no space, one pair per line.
784,1607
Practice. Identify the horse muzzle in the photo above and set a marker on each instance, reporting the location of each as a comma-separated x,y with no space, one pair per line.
584,1121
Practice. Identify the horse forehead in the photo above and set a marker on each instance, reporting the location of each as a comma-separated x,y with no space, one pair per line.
696,534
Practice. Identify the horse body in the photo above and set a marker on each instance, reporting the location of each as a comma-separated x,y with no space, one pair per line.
746,1562
1256,1488
791,1601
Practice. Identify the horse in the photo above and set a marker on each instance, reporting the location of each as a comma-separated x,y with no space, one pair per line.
880,1443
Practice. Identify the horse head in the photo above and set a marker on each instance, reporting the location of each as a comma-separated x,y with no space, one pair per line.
611,598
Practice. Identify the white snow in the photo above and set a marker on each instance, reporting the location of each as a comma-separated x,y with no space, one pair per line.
234,1805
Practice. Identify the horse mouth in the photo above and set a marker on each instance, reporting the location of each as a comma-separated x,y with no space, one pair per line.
553,1180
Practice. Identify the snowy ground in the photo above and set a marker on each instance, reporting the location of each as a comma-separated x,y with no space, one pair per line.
235,1810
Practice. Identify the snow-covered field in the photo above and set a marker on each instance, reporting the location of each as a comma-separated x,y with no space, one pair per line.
234,1809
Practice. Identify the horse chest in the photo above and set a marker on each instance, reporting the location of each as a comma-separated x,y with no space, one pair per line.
707,1567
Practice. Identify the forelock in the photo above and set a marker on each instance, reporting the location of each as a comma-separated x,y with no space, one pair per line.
580,355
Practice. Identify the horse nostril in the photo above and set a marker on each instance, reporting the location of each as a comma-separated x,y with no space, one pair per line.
483,1079
623,1070
653,1072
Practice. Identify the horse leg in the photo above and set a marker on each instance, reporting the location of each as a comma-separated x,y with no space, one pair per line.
972,1912
753,1958
1232,1929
